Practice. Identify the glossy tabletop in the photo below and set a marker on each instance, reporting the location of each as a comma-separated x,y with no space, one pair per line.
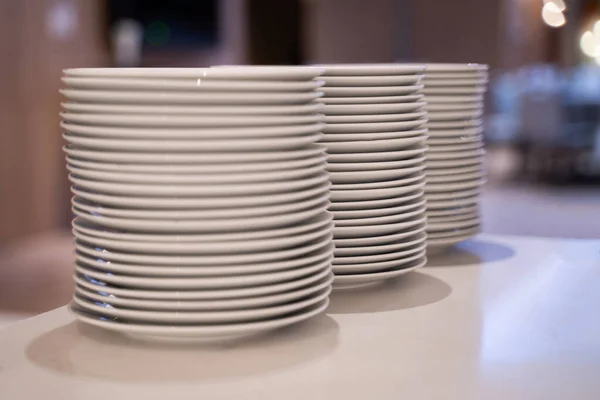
498,317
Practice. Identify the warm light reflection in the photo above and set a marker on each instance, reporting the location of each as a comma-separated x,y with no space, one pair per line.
559,3
590,42
552,15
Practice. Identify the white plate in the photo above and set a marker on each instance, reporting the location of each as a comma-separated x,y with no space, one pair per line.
399,254
444,172
372,99
225,161
143,97
455,67
454,186
369,91
376,156
204,282
347,232
190,121
383,220
191,134
195,332
460,194
374,80
459,236
453,202
454,106
373,194
191,169
398,236
204,190
456,115
462,90
370,69
444,141
454,134
316,257
374,126
220,72
378,212
191,84
417,195
434,227
373,166
216,243
434,126
478,175
378,270
435,82
357,177
453,217
165,146
207,305
157,178
458,75
453,233
375,146
294,109
454,99
459,148
202,202
462,162
215,294
364,109
201,317
336,119
381,184
454,155
365,136
202,225
400,245
208,214
453,212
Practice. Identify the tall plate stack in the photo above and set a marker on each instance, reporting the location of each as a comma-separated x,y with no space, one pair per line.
455,171
376,144
200,197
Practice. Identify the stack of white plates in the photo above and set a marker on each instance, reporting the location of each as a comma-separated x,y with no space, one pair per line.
455,173
201,199
376,144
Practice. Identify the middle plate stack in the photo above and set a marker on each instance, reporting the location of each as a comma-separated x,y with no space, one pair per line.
376,144
200,198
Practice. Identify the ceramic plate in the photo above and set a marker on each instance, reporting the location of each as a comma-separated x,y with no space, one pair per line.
347,232
402,235
293,109
142,97
363,109
356,177
377,156
478,175
410,179
220,160
379,212
453,202
459,236
435,82
409,242
207,305
373,258
369,91
202,225
157,178
169,271
451,141
196,332
374,126
453,217
453,212
453,125
458,75
204,294
444,172
335,119
365,136
407,198
462,162
208,121
452,233
452,195
453,186
461,147
454,106
193,134
215,242
453,155
373,166
384,220
191,84
434,227
453,115
373,194
377,270
203,190
370,69
461,90
201,317
374,146
374,80
455,67
454,99
220,72
372,99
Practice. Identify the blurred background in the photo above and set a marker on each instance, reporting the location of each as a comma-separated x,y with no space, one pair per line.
542,107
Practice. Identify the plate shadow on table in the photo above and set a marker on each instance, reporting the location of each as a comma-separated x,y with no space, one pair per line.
81,350
408,291
475,251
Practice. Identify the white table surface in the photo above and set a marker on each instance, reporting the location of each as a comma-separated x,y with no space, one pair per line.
498,318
